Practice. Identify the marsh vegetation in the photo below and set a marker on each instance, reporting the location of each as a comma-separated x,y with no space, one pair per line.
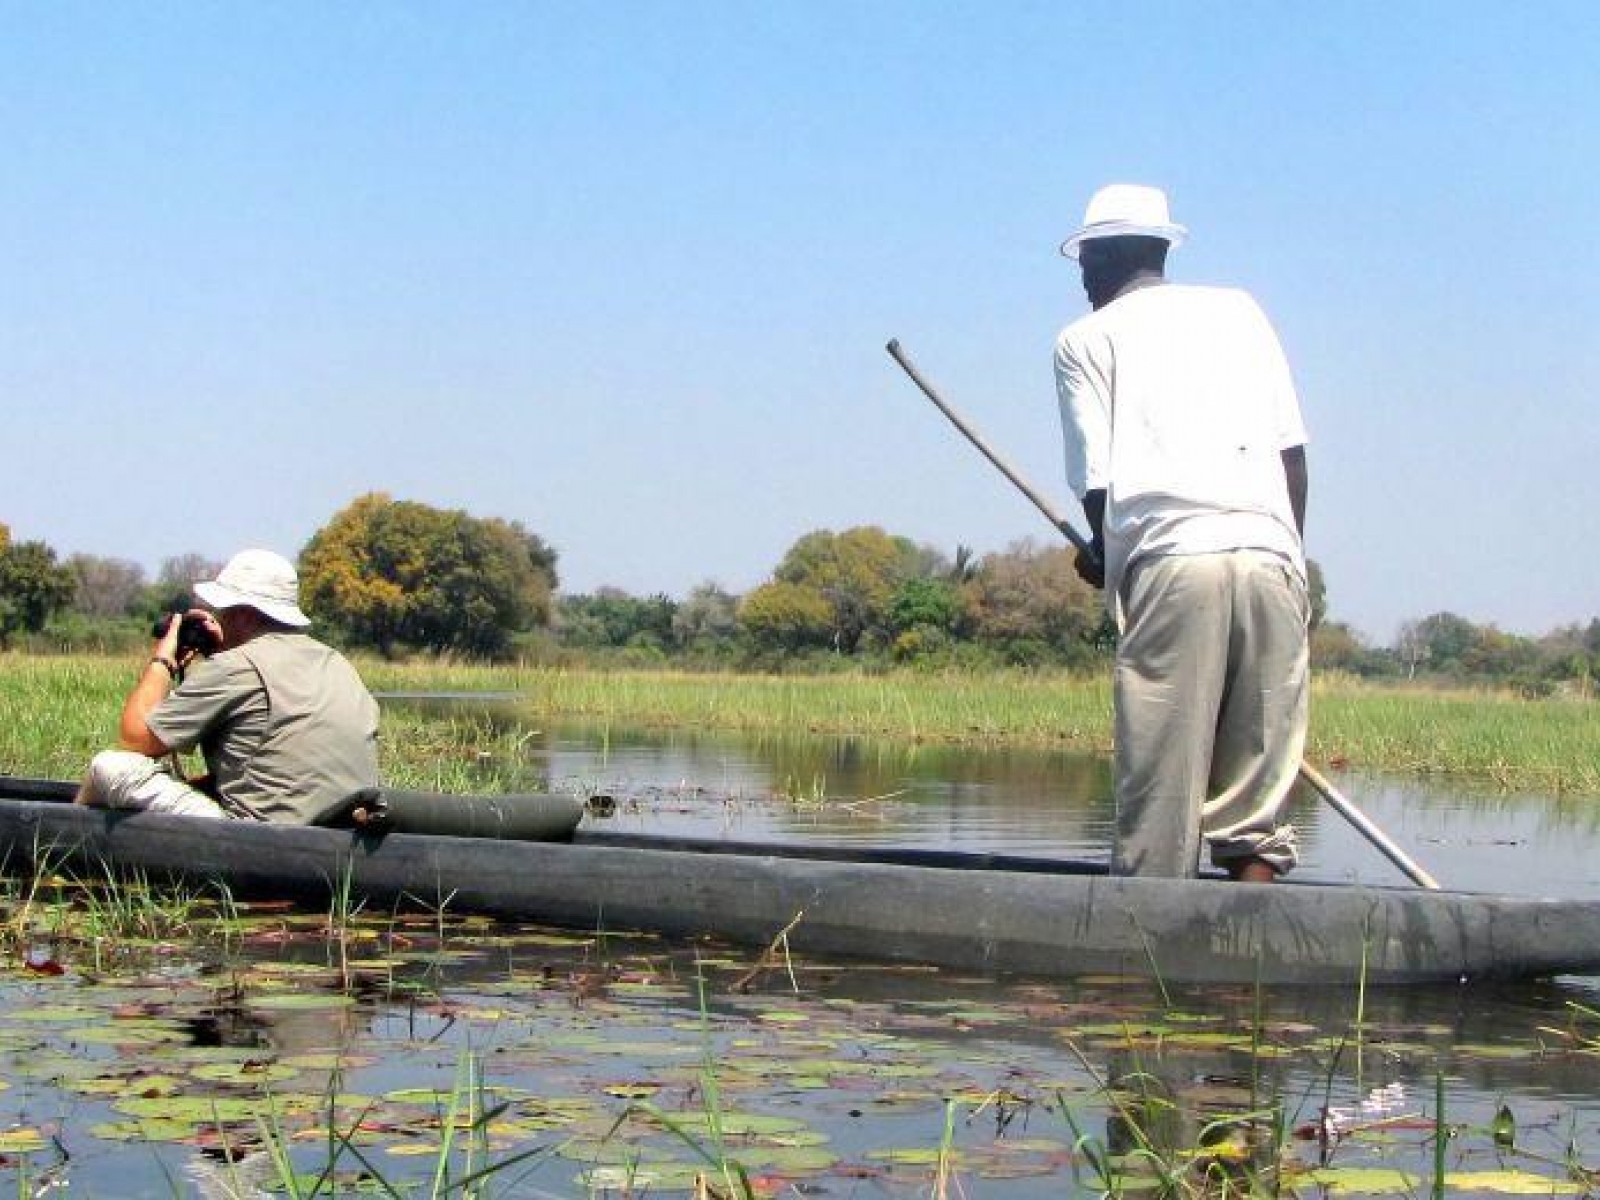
171,1043
62,708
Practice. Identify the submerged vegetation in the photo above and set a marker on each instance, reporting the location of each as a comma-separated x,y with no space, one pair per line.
60,709
236,1049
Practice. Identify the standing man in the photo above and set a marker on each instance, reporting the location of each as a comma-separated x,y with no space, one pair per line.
1185,444
288,730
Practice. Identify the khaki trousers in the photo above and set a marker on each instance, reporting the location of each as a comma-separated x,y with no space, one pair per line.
1211,709
124,779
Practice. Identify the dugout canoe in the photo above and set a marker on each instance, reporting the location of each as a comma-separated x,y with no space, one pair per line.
970,912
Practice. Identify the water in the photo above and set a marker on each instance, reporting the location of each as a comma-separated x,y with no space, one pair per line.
144,1076
1041,802
837,1079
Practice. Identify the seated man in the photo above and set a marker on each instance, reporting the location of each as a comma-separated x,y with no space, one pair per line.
287,728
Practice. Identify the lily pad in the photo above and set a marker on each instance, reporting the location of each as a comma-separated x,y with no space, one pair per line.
300,1001
193,1109
644,1178
1368,1181
147,1129
21,1141
56,1014
916,1156
130,1033
255,1073
1512,1183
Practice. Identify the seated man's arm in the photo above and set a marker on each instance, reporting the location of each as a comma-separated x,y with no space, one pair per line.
151,689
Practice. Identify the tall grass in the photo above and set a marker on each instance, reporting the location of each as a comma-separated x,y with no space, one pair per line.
1010,707
61,709
463,1165
110,915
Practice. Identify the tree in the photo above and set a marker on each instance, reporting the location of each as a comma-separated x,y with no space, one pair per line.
926,603
964,566
391,574
33,587
1337,647
855,573
1410,648
708,616
1317,591
787,616
1499,655
1441,641
924,616
612,617
173,590
1030,599
107,587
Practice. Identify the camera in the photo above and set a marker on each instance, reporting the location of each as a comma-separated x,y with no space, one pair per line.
193,633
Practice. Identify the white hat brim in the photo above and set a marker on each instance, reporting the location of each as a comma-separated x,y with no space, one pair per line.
220,595
1171,234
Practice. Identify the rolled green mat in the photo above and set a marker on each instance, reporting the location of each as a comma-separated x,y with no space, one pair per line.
524,816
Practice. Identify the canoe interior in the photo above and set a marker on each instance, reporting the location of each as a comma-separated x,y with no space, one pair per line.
950,860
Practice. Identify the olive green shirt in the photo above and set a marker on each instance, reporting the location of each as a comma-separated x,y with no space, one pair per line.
287,728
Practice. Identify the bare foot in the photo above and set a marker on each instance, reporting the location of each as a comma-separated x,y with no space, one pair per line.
1251,870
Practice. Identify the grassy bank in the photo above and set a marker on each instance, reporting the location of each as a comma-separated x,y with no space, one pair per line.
58,710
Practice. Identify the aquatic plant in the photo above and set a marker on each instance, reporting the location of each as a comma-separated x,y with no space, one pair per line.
462,1163
725,1178
63,708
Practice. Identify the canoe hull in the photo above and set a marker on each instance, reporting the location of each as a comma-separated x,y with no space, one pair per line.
1028,922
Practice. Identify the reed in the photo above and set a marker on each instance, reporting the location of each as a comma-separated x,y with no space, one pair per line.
61,709
463,1165
112,916
724,1177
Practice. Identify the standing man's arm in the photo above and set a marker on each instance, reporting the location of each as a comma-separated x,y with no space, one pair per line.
1086,423
1294,474
1092,567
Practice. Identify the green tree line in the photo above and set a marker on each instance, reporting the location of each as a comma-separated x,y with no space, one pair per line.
400,577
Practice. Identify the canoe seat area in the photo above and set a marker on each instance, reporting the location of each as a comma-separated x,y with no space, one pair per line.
523,817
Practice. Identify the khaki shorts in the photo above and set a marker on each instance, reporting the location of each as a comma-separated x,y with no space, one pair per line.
125,779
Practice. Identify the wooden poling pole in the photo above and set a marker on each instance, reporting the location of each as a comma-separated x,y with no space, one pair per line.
1357,819
1365,826
989,452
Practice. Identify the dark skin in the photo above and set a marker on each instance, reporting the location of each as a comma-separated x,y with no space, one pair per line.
1113,267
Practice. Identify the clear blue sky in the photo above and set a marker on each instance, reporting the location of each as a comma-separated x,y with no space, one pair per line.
624,272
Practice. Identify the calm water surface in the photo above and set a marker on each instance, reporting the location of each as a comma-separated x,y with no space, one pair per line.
1042,802
835,1079
145,1076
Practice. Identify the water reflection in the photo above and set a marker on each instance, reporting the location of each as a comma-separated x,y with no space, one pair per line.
859,1061
1032,801
1475,840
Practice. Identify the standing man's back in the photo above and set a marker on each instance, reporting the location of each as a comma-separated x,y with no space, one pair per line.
1185,443
1203,405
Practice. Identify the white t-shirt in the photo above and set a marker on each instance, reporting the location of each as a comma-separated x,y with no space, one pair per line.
1177,401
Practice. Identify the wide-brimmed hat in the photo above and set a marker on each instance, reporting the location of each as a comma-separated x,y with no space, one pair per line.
1126,210
258,579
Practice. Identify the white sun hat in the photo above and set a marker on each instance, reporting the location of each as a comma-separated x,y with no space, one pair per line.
1126,210
261,580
